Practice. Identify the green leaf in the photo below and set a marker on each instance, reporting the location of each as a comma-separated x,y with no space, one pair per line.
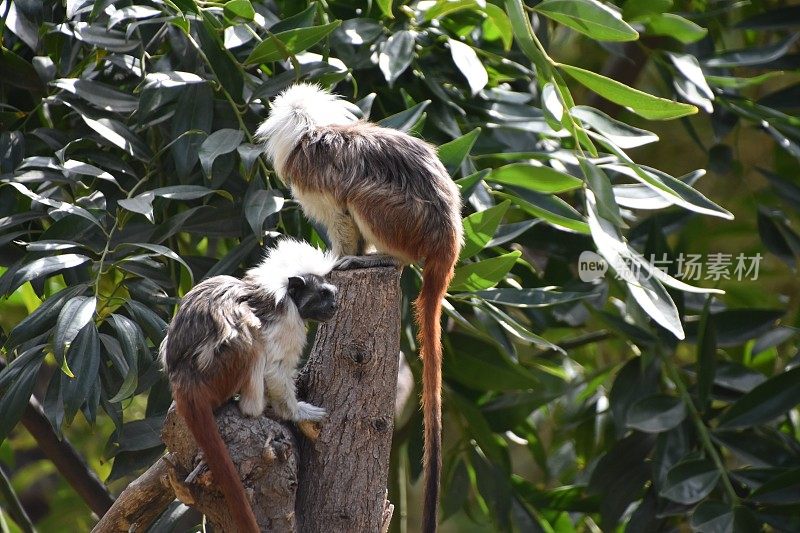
523,33
358,31
712,517
509,232
186,192
656,413
75,314
467,184
228,264
753,56
623,135
386,7
600,185
636,9
537,178
99,95
303,19
294,41
479,228
59,206
194,111
500,23
258,206
220,142
467,61
689,482
551,106
528,298
452,153
483,274
44,266
783,489
20,73
620,475
150,322
164,251
18,379
83,358
119,135
242,9
588,17
648,291
551,209
44,317
396,55
729,82
130,337
142,204
765,402
480,366
675,26
442,8
643,104
405,120
140,434
706,356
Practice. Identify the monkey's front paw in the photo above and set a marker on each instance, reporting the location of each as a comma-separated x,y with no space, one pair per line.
352,262
306,411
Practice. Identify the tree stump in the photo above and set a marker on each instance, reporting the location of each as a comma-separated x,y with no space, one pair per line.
352,373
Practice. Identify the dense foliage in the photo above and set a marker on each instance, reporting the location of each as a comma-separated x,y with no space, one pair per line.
574,401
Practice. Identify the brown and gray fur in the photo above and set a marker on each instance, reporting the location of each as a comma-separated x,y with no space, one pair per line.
246,337
379,187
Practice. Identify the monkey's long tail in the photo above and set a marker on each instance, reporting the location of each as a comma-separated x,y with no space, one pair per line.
436,276
200,419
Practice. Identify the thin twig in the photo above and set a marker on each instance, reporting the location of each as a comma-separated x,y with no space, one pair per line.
14,506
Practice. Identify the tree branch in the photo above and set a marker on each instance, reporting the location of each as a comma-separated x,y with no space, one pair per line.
141,503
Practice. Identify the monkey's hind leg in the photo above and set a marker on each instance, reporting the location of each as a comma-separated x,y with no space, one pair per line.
283,398
251,399
346,238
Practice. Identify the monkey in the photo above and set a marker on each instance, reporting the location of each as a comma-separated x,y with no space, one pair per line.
246,336
375,188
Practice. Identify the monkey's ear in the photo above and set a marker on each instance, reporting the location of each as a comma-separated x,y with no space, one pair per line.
295,284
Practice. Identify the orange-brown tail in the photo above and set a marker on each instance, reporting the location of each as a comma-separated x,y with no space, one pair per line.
200,419
436,276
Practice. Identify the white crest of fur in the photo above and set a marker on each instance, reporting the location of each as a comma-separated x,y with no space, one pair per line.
287,259
296,111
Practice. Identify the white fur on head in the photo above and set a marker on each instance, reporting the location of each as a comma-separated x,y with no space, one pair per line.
287,259
296,111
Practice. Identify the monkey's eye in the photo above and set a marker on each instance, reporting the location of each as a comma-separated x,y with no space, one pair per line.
326,292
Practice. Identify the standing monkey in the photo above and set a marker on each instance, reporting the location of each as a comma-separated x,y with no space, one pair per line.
376,186
239,336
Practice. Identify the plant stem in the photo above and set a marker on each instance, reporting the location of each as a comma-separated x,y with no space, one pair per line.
14,506
702,430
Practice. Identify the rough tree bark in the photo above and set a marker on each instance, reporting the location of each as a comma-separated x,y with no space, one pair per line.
333,481
352,372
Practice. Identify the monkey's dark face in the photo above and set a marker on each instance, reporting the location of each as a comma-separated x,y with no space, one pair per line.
314,297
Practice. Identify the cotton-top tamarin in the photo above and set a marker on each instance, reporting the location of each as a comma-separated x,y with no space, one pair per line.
375,186
242,336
